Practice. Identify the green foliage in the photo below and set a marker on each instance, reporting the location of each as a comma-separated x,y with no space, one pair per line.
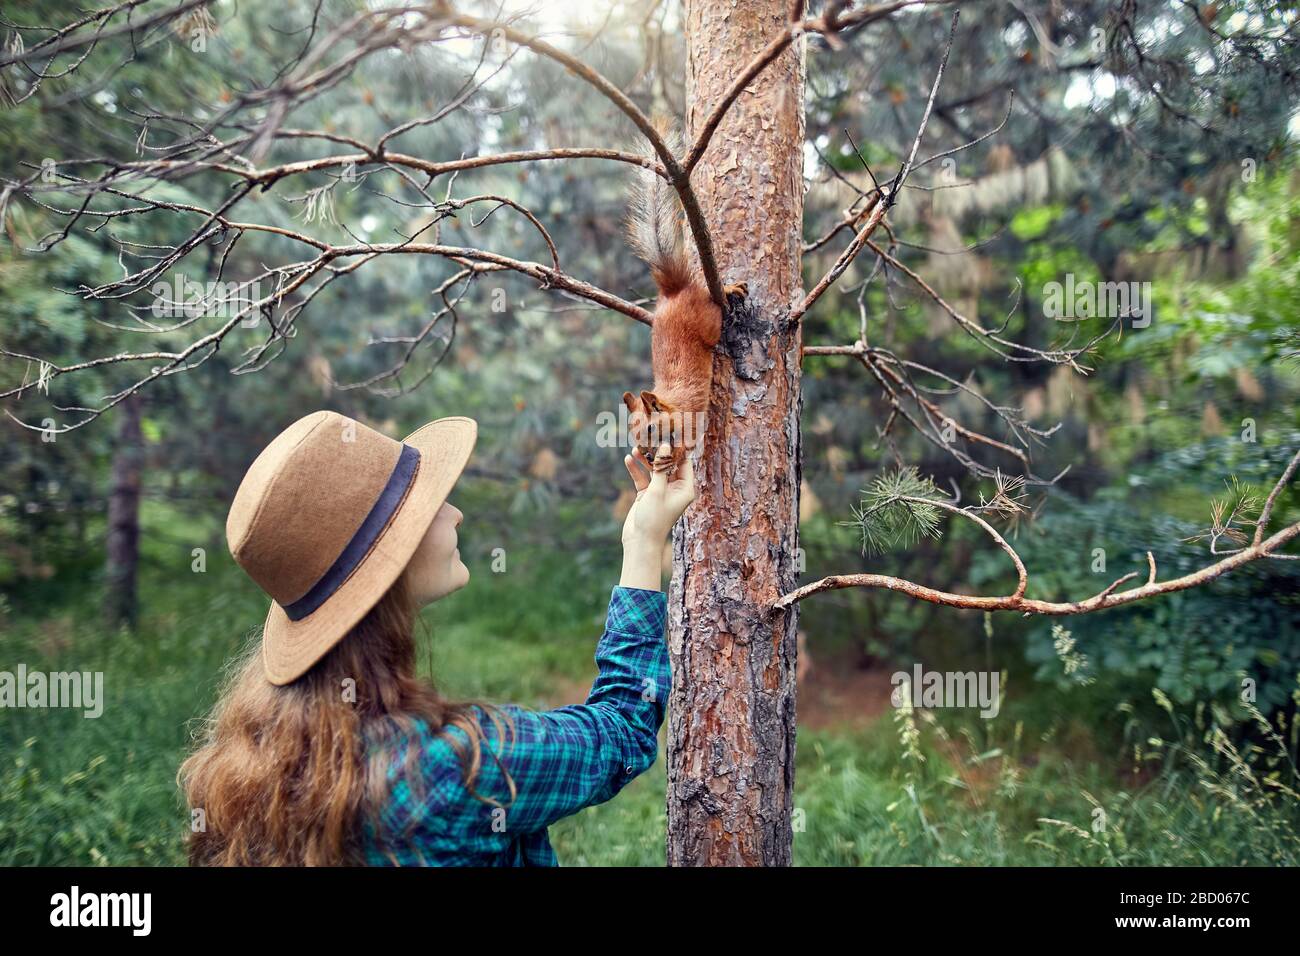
1021,791
1034,222
894,513
1073,663
1197,644
73,790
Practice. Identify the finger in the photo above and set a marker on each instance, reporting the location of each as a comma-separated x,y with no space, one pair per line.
639,474
685,473
646,466
683,489
639,455
659,477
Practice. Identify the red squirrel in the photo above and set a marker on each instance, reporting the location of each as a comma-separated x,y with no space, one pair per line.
687,325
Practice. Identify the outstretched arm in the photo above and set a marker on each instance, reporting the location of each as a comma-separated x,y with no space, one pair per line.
560,761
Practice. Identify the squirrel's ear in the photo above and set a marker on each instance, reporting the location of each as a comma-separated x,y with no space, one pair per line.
655,403
630,400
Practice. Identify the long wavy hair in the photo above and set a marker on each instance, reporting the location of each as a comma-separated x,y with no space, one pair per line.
290,775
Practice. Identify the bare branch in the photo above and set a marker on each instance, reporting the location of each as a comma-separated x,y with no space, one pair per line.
884,197
1262,521
678,176
1108,598
67,38
829,25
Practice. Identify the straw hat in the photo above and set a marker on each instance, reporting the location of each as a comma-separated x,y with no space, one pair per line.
326,520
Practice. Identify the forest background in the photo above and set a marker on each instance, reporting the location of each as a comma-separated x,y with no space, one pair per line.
1162,733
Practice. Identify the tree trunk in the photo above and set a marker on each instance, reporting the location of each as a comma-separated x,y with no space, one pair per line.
123,544
732,725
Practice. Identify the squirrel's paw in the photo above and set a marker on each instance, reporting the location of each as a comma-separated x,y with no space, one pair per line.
664,462
740,288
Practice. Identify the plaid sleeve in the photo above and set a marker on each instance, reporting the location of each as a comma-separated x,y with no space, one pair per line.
563,760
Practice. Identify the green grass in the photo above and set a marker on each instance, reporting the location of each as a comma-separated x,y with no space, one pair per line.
1040,784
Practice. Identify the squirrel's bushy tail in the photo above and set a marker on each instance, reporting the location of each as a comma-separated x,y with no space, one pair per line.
654,221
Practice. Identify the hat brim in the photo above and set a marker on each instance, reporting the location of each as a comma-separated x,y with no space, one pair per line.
290,648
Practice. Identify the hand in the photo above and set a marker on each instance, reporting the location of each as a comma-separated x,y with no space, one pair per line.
659,502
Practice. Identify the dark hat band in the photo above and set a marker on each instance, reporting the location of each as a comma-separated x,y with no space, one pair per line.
399,482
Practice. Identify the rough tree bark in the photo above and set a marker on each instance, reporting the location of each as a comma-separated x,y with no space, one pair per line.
732,725
123,540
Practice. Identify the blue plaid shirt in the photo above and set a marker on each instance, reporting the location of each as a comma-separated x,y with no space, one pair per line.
561,760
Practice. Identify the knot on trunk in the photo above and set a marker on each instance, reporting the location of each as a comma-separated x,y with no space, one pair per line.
746,332
696,791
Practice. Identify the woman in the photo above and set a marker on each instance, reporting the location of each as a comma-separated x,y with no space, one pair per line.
326,748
